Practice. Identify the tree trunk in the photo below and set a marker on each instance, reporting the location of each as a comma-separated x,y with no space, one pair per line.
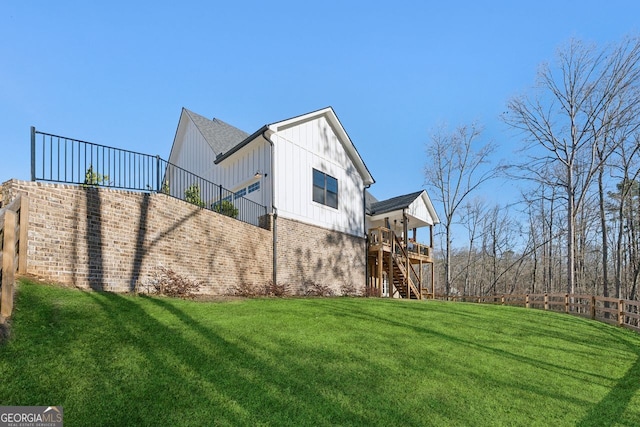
605,243
571,233
447,259
619,254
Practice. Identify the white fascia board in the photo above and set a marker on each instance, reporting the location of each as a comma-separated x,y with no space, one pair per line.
340,132
430,208
178,138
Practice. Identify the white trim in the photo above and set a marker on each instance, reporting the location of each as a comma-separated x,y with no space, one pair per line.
340,132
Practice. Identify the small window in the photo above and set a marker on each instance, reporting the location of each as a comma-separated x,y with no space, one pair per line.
240,193
254,187
325,189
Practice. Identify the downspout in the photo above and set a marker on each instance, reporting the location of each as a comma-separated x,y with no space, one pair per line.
366,237
274,277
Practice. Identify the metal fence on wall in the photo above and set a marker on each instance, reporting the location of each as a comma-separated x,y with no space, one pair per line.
60,159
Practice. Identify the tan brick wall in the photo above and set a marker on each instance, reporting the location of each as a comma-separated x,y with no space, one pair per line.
307,253
111,240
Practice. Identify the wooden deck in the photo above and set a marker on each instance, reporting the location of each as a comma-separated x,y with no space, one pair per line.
382,239
396,267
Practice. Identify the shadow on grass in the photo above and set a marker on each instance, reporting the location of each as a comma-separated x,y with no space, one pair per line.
122,360
612,408
409,322
235,380
176,368
290,382
406,317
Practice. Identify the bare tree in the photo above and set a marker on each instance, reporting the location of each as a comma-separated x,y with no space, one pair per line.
471,219
455,168
577,103
539,212
624,202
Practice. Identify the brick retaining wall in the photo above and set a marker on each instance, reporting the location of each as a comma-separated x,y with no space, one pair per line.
111,240
108,239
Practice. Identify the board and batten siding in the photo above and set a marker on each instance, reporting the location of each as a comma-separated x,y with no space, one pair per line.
314,145
419,209
193,154
239,170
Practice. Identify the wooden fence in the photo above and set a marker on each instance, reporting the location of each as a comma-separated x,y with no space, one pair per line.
617,311
13,250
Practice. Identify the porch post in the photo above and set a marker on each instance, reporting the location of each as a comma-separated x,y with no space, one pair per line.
405,235
433,280
420,274
390,278
379,273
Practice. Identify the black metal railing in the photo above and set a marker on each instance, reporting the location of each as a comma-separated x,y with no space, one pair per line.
57,158
180,183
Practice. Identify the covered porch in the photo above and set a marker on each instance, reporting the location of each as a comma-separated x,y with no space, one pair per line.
398,264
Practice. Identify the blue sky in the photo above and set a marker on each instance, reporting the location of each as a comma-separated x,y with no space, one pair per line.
118,73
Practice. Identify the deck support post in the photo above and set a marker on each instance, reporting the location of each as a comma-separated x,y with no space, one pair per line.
379,274
390,279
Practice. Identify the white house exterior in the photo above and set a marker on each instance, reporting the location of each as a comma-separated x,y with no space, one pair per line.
293,148
309,175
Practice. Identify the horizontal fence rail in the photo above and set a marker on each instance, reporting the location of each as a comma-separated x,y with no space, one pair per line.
622,312
60,159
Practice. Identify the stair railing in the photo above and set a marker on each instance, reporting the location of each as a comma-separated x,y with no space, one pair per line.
408,267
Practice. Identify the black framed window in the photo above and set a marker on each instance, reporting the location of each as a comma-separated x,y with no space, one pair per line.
254,187
325,189
240,193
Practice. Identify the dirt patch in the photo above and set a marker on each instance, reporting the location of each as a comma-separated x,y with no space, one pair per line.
217,298
39,279
195,297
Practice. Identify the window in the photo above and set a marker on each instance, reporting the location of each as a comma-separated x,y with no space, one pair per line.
254,187
239,193
325,189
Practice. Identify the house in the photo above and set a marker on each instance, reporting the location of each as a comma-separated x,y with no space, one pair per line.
306,171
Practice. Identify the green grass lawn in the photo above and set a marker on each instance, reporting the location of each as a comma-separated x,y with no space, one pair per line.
125,360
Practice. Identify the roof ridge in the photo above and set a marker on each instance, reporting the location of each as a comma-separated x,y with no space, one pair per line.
394,203
220,135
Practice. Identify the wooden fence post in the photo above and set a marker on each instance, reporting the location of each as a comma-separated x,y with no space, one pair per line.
546,301
8,264
566,303
621,312
593,307
502,300
526,301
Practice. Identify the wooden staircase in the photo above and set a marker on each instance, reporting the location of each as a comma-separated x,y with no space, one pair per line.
402,269
392,264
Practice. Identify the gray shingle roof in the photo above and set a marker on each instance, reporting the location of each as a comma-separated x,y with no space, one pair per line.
369,200
393,204
219,135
